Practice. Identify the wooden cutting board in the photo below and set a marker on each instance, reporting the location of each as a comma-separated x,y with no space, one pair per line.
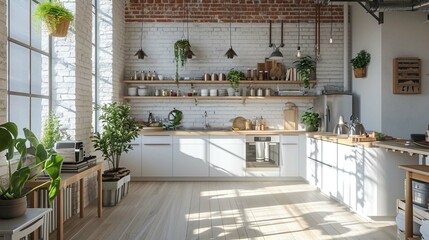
290,118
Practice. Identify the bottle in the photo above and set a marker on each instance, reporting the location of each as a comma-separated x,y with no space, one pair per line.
427,134
249,74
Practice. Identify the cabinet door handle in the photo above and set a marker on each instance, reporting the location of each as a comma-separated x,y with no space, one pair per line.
135,144
157,144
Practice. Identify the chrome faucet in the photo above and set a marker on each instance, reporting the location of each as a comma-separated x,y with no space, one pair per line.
206,124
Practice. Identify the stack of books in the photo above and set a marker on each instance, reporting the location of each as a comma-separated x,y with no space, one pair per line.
79,166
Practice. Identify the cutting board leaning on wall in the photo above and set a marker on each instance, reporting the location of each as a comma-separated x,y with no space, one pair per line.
290,117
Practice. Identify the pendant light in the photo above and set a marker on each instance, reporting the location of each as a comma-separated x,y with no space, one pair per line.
298,53
140,53
189,54
276,54
330,34
230,53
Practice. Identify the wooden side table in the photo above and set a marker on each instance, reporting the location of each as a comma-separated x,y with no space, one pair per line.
67,179
413,172
17,228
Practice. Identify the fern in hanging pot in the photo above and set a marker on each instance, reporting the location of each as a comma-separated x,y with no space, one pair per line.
181,47
56,17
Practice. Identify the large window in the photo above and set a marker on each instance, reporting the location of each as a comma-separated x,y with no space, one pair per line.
29,67
95,40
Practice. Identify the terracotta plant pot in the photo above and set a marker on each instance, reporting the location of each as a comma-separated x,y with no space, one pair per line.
60,30
359,72
13,208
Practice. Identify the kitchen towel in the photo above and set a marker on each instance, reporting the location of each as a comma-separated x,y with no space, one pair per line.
424,229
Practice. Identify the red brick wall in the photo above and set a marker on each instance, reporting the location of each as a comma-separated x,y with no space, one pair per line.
245,11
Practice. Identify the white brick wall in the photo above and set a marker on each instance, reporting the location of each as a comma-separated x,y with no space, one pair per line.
209,42
111,54
72,94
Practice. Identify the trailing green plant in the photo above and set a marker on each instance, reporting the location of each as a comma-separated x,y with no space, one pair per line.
118,130
234,78
304,67
52,13
361,60
45,161
310,119
51,132
180,48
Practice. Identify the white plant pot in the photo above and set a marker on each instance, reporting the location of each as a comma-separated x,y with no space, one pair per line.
230,91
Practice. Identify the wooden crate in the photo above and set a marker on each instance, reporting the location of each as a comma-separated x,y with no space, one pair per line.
407,76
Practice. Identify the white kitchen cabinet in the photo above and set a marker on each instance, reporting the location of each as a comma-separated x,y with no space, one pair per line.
314,149
190,156
227,156
329,168
289,155
157,156
133,159
314,173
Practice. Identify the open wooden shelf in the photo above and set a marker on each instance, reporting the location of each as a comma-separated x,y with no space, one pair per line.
240,98
214,82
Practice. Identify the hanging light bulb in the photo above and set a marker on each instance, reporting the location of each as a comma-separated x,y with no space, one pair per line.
298,53
140,53
330,35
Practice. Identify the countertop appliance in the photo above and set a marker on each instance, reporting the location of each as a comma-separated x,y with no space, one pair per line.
331,107
72,151
262,151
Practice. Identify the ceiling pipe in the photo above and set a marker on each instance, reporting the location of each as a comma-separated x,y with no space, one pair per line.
389,6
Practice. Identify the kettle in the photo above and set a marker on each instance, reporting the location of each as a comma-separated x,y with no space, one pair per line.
355,127
341,127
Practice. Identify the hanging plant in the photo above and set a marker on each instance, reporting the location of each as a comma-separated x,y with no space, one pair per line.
305,66
56,17
181,47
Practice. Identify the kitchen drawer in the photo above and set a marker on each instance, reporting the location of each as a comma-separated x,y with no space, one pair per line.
153,140
289,139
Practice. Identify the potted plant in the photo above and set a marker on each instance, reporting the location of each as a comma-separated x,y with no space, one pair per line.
118,130
305,66
51,131
311,121
56,17
234,78
32,155
181,48
360,62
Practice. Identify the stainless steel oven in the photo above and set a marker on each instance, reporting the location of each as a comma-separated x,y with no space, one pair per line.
262,151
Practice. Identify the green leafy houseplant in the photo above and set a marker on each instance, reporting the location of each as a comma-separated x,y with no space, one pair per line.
305,66
234,78
51,131
118,130
361,60
311,120
56,17
180,48
47,161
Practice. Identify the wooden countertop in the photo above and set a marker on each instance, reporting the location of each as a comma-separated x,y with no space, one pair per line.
399,145
220,132
341,139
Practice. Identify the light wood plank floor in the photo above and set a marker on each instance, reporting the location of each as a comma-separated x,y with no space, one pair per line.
225,210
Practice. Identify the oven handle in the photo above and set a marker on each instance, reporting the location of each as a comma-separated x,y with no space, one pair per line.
273,144
251,143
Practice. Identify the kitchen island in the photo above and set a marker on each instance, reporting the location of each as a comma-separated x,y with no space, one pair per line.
362,176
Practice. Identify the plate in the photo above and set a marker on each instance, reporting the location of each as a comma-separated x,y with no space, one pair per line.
239,122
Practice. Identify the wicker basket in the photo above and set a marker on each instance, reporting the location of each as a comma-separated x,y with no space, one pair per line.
60,29
360,72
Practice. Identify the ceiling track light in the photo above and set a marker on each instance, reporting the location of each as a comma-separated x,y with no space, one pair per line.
230,53
276,54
